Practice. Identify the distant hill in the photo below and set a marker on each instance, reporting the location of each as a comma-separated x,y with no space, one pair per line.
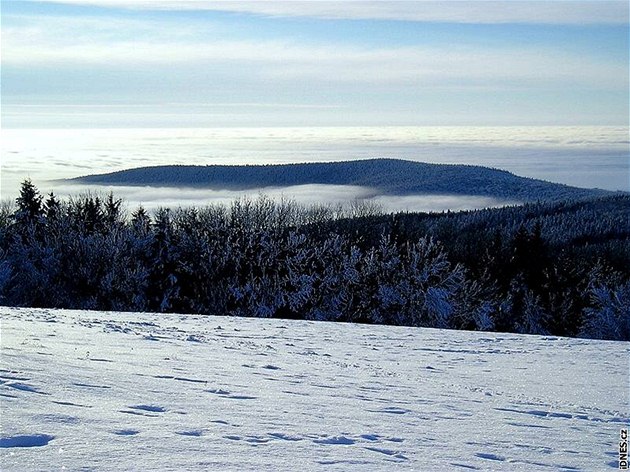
385,176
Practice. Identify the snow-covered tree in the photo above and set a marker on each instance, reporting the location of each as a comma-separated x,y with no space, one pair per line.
609,315
533,319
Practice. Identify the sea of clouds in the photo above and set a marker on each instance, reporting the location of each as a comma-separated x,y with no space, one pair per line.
580,156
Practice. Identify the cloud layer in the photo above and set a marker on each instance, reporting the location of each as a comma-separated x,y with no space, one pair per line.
55,44
264,64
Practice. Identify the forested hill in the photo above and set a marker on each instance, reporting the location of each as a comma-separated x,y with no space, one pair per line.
385,176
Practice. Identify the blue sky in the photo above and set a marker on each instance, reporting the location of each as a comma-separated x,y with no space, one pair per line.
171,63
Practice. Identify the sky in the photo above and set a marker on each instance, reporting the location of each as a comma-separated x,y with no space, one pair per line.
173,63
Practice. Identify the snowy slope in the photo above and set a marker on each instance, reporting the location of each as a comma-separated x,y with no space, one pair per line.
114,391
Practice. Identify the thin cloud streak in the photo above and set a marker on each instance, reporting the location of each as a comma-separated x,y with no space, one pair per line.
471,12
186,105
283,61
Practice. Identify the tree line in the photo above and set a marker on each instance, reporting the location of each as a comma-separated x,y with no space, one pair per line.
540,268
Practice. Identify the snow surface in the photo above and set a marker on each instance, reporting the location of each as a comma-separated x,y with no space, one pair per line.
87,390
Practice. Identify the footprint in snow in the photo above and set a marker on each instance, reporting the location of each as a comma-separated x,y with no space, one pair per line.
193,433
336,440
285,437
11,376
227,394
218,391
185,379
151,408
90,385
257,440
126,432
392,410
388,452
492,457
464,466
377,437
24,387
144,410
29,440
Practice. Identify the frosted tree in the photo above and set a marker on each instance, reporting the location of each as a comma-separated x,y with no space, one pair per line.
335,279
533,319
163,280
299,275
476,305
255,290
609,315
433,285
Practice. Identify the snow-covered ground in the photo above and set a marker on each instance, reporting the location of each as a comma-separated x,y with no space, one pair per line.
121,391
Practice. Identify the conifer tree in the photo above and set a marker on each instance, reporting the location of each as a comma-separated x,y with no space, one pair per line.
52,207
29,202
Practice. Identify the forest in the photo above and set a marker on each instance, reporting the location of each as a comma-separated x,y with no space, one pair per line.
554,268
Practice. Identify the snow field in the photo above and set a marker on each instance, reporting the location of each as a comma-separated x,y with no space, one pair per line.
86,390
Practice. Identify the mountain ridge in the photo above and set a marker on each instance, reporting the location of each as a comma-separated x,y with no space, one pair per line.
387,176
